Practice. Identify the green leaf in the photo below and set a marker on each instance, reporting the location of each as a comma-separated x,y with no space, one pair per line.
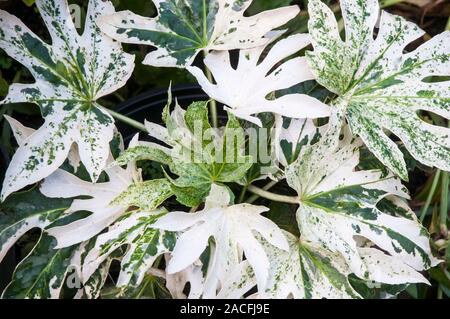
144,245
26,210
4,86
42,274
262,5
151,288
200,155
29,2
71,75
147,195
183,28
381,88
141,153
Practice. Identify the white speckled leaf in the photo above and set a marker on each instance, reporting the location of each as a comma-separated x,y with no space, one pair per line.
245,89
233,229
145,244
185,27
21,133
381,87
291,135
306,271
341,208
71,74
62,184
146,195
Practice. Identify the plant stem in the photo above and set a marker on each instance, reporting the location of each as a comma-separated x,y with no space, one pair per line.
212,102
425,207
124,119
242,195
275,197
254,197
444,205
388,3
439,293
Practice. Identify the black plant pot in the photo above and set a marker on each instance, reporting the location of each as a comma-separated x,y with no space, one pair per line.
149,106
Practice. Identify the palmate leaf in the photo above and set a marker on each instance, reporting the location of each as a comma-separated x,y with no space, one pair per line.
185,27
42,274
24,211
21,133
200,155
245,89
239,281
351,212
145,244
233,229
306,271
71,74
62,184
380,87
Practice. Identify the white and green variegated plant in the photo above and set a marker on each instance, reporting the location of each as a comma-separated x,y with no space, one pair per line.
345,227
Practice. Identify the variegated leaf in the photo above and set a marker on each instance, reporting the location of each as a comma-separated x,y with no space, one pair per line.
381,87
71,74
21,133
185,27
310,271
339,210
91,288
145,244
291,135
176,283
200,155
233,229
306,271
245,89
62,184
146,195
24,211
42,274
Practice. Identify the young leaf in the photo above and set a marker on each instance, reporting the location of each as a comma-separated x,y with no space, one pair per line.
184,28
62,184
245,89
338,210
71,75
200,155
232,228
145,244
24,211
380,87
